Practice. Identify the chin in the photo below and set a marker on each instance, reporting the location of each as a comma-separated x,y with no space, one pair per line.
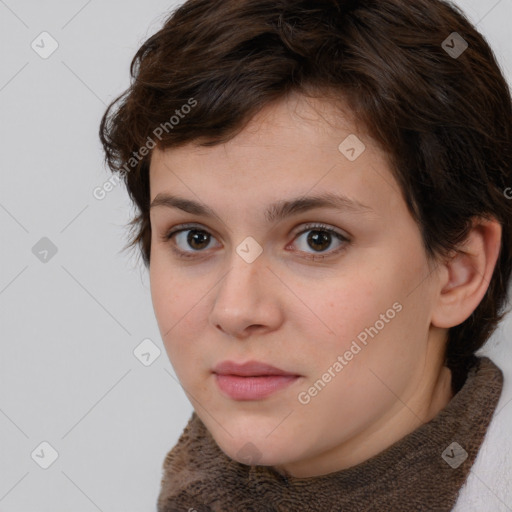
253,451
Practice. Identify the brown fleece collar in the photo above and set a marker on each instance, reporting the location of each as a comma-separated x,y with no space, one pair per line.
412,474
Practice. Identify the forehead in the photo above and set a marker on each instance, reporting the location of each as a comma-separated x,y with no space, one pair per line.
292,147
283,124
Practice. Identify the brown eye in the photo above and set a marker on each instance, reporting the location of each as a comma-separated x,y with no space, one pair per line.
198,239
320,238
188,241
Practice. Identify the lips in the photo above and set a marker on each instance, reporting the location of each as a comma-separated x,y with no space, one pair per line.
253,380
249,369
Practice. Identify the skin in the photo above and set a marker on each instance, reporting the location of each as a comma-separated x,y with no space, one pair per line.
298,313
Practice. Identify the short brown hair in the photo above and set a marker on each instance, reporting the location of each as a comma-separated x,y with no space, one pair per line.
444,119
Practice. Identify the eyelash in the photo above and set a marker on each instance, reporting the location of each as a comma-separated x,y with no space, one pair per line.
308,227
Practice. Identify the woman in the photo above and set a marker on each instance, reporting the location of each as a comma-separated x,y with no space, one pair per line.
334,371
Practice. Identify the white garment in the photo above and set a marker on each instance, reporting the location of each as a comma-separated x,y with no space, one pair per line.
488,487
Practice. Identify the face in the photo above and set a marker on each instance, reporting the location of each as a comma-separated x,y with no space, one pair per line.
270,267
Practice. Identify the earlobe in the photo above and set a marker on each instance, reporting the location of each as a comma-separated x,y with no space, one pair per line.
467,274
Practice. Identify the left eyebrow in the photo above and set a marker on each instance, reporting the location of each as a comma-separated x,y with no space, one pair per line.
276,211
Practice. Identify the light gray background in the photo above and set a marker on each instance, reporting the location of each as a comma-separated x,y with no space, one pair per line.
69,326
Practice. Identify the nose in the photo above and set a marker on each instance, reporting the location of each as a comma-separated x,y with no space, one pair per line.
247,299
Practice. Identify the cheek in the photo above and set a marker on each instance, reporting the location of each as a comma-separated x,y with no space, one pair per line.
164,301
351,304
381,333
179,311
171,298
364,316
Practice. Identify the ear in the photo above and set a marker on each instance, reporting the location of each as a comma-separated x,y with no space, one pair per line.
465,277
